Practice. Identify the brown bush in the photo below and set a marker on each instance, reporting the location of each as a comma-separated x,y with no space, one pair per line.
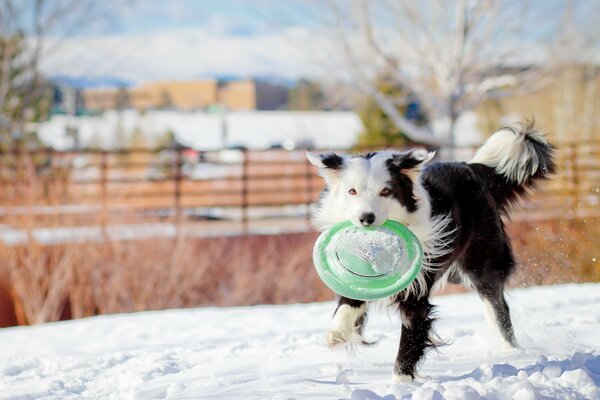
101,278
78,280
556,251
38,278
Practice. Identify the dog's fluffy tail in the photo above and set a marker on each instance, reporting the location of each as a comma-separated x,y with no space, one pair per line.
512,161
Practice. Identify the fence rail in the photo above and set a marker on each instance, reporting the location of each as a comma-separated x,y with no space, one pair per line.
218,191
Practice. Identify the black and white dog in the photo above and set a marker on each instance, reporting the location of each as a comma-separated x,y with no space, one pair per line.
454,208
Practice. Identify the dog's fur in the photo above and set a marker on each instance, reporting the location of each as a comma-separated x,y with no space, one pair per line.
456,209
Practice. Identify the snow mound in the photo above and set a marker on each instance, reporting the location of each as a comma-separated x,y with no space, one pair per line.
276,352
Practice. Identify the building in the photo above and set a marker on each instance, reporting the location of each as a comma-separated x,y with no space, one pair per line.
100,99
566,107
182,95
270,96
240,95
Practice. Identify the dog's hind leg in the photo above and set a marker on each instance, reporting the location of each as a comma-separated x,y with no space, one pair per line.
488,268
349,320
497,310
489,281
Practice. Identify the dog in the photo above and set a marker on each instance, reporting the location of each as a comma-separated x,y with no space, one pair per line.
457,211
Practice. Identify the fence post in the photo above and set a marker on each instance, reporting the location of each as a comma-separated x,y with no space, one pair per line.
177,177
103,191
20,176
309,189
23,174
245,192
575,178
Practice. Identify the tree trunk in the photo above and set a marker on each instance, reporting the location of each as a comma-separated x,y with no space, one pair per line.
451,136
413,132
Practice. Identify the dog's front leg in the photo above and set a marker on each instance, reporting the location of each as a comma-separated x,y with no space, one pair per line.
348,320
415,337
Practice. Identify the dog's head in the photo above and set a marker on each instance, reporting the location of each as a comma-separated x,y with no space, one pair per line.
371,188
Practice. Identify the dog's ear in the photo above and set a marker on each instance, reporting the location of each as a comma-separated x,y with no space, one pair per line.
413,160
330,165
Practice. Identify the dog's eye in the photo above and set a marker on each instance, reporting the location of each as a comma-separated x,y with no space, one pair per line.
385,192
352,192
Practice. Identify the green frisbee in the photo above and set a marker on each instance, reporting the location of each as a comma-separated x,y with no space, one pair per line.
368,263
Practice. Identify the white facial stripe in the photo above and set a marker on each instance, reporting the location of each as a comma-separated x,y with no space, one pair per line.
366,176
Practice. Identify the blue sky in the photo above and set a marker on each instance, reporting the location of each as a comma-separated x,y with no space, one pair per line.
233,17
145,40
151,15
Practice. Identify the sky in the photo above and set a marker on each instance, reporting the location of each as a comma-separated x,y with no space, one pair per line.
143,40
229,17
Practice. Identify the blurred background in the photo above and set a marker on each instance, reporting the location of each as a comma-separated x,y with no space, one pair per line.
152,152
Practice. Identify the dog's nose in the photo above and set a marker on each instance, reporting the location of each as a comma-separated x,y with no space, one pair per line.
367,219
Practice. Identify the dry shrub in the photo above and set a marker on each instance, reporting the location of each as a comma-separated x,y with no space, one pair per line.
246,270
141,275
556,251
38,278
273,269
552,252
111,277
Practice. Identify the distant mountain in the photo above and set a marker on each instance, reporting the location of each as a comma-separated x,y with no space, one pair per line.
82,82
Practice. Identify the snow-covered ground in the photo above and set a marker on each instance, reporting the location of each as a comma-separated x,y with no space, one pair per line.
262,221
276,352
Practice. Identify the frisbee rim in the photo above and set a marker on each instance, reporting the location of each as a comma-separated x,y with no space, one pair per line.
363,291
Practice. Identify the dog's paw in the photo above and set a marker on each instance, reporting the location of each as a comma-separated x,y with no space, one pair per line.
343,329
397,378
510,347
337,337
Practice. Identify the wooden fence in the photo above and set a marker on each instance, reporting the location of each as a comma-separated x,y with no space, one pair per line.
219,191
90,187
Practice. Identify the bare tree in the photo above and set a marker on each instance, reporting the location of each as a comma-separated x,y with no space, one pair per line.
449,56
29,31
39,279
575,56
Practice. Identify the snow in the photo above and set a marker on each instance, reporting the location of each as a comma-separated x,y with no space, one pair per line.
280,220
203,130
276,352
378,247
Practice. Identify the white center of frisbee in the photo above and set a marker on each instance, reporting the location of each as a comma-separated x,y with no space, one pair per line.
378,247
